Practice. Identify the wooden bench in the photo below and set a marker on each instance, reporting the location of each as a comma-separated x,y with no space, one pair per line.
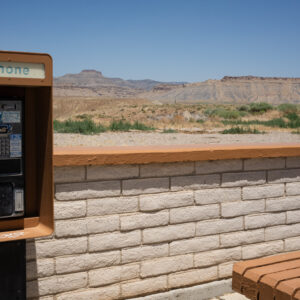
269,278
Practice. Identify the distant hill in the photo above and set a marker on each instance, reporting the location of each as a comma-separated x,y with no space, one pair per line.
91,83
230,89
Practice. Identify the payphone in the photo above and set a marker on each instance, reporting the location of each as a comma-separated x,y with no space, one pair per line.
11,158
26,168
26,146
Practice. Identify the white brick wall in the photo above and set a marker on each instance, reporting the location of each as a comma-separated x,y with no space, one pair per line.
133,230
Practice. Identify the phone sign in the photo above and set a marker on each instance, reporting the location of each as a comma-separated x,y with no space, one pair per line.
22,70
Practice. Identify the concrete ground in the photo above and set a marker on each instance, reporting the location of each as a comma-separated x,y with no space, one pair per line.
231,296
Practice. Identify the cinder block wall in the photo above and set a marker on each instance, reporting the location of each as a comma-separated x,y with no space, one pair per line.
131,230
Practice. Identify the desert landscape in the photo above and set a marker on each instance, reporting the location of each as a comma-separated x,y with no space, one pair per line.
142,112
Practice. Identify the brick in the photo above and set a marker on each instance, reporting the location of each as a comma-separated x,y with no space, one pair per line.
264,220
53,248
282,231
293,188
218,166
292,244
112,172
217,257
70,228
193,277
144,220
242,238
282,204
219,226
264,249
293,216
109,241
110,206
39,268
166,265
167,169
225,269
103,224
194,245
112,275
87,261
56,284
168,233
69,209
105,293
194,182
293,162
166,200
194,213
144,253
260,192
243,178
145,186
264,163
69,174
284,175
85,190
234,209
220,195
143,287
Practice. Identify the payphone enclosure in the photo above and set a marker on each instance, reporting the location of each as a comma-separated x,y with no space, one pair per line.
26,146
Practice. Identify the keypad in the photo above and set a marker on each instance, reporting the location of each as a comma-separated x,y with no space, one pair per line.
4,147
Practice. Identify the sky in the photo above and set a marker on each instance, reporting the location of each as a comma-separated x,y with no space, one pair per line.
165,40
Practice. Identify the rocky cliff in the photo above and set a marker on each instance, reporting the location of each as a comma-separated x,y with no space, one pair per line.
232,90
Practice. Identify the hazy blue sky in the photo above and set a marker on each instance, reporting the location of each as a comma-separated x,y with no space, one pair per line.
167,40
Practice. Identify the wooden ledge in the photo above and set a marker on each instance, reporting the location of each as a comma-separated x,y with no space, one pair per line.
79,156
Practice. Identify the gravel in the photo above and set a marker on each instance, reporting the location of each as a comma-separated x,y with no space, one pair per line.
153,138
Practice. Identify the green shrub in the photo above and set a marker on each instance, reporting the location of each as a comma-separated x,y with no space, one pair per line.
122,125
244,108
241,130
292,116
223,113
277,122
86,126
119,126
260,107
287,108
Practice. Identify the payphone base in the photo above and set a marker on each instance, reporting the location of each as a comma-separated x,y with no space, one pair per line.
13,270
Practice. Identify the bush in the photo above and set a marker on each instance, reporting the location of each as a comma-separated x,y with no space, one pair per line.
122,125
292,116
287,108
260,107
223,113
244,108
86,126
241,130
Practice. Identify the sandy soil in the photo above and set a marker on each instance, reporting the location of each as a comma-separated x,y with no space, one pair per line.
142,138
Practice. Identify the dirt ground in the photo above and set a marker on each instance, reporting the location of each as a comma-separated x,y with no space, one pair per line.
154,138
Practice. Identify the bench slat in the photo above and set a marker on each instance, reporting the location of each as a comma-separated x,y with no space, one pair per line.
261,278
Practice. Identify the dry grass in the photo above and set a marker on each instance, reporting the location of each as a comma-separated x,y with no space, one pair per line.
178,117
